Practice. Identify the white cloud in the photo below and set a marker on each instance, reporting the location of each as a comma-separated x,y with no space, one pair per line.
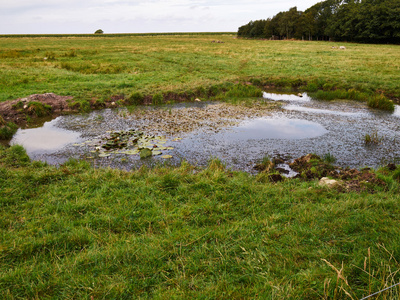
80,16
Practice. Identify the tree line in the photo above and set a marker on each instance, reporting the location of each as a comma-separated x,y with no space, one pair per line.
368,21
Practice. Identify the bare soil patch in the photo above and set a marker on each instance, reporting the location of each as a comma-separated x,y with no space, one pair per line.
33,106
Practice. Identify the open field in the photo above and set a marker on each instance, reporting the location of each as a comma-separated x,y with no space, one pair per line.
77,232
96,67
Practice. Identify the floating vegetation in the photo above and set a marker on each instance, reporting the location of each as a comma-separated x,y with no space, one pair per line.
129,142
210,117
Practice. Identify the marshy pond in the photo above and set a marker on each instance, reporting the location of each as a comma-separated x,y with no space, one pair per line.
277,125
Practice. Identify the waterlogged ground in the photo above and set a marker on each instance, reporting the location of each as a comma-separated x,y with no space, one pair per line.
240,135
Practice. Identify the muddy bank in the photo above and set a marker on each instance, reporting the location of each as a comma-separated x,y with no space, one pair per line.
23,110
312,167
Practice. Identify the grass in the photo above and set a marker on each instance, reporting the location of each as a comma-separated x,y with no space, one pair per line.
7,129
75,232
177,233
373,139
94,67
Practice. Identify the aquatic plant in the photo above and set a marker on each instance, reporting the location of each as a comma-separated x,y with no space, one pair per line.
329,158
373,139
129,142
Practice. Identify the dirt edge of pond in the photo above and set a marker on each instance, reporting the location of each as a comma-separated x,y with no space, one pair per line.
21,111
312,167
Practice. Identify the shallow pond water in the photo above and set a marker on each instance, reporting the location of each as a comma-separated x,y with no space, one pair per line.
48,138
239,136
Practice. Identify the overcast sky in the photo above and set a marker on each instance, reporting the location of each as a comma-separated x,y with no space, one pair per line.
136,16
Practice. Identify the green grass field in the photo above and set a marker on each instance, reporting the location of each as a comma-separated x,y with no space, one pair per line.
99,67
76,232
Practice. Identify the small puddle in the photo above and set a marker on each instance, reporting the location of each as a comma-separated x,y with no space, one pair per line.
281,128
396,111
287,97
48,138
322,111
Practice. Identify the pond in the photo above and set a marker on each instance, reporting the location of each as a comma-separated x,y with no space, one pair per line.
277,125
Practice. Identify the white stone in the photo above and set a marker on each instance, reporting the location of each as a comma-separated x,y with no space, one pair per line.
325,181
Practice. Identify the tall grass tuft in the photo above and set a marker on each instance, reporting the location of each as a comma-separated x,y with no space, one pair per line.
7,129
381,102
373,139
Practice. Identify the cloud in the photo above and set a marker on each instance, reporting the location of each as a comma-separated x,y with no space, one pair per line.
52,16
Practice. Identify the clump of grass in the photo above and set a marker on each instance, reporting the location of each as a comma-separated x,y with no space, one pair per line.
266,165
50,55
381,102
80,104
396,175
38,109
7,130
373,139
329,158
10,54
70,53
157,99
379,274
237,91
311,87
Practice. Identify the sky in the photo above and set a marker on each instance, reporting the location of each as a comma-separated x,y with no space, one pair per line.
136,16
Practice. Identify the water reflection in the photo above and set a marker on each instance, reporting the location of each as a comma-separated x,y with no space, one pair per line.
322,111
281,128
287,97
45,139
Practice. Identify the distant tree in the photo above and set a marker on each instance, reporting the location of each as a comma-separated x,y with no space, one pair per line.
99,31
368,21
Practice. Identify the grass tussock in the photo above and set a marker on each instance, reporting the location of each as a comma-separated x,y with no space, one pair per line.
77,232
381,102
373,139
7,129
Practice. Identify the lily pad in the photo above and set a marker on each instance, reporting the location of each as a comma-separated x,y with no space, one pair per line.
156,152
144,153
166,156
104,154
131,152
